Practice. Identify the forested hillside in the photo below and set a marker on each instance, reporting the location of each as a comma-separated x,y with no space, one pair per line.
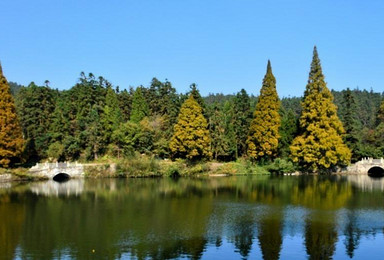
94,118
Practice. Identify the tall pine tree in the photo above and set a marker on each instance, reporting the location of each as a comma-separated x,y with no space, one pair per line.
242,117
191,137
263,138
320,145
351,124
35,106
11,139
139,106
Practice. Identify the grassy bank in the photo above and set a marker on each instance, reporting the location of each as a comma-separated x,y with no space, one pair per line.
18,174
138,166
147,166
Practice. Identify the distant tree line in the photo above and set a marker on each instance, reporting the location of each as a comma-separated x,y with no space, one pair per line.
94,118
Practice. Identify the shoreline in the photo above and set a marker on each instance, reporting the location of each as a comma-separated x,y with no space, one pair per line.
12,177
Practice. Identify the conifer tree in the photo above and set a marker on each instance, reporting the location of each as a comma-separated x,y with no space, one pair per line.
263,138
11,139
320,145
351,125
125,103
199,99
220,143
35,106
242,117
288,131
112,113
380,115
139,106
191,137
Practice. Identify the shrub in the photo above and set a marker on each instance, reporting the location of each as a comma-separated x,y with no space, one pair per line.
280,166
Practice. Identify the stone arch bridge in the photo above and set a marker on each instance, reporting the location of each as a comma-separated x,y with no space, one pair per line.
58,170
370,166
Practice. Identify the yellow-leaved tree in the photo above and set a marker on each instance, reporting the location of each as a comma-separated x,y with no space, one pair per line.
11,138
319,147
263,137
191,137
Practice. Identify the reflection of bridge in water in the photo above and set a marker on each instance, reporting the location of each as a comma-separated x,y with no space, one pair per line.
366,183
52,188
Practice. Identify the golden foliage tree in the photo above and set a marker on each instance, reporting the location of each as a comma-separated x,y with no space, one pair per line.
320,145
11,139
191,137
263,137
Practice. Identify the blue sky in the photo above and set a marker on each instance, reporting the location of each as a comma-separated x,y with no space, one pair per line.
221,45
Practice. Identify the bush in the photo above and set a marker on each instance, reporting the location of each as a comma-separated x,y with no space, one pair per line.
280,166
138,166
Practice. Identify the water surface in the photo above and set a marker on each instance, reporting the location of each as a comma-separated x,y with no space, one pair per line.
260,217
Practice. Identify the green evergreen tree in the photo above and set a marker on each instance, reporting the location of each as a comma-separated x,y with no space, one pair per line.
220,144
111,117
11,139
191,137
288,131
61,126
139,106
263,138
94,134
320,145
380,114
242,117
230,133
350,122
196,95
35,107
125,104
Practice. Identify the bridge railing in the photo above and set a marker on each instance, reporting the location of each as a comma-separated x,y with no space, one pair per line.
370,160
44,166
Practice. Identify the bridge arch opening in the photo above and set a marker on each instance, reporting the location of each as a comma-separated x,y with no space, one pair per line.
61,177
376,172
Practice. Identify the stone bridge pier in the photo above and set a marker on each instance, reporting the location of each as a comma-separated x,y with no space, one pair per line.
58,170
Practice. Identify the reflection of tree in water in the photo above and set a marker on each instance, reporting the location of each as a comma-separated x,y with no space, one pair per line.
270,238
242,232
169,248
243,240
12,217
321,193
320,237
112,224
352,235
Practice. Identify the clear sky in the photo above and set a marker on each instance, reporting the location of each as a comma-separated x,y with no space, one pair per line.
221,45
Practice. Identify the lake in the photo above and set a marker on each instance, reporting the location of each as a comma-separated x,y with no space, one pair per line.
243,217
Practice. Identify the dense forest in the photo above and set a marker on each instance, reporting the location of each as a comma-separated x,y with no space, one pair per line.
94,119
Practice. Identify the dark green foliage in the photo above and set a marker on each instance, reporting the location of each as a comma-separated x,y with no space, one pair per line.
15,88
125,103
35,106
139,106
94,134
242,116
72,118
222,133
163,101
351,123
111,117
288,131
196,95
90,119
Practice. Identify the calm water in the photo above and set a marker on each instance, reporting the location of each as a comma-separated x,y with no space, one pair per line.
217,218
